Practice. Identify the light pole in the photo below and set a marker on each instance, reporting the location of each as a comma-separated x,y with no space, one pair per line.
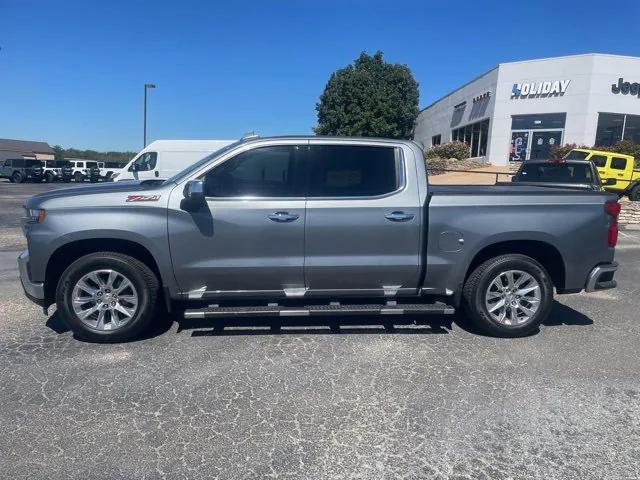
146,86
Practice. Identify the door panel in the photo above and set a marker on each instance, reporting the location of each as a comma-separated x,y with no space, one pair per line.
361,245
234,245
621,169
249,236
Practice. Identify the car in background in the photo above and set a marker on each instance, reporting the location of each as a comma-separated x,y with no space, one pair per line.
82,170
580,174
53,170
111,170
18,170
162,159
616,169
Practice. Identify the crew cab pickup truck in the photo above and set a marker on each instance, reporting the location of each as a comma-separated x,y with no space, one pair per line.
616,170
312,226
561,173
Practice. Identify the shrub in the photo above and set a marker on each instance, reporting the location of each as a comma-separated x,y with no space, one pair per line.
458,150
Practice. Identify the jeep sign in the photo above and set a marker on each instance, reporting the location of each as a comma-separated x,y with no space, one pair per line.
626,88
539,89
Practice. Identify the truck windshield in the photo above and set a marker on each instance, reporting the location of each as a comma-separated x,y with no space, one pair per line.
556,173
576,155
195,166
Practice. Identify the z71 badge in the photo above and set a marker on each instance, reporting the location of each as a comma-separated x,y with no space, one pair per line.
143,198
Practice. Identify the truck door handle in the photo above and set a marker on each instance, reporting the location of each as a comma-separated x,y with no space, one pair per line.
283,217
399,216
156,173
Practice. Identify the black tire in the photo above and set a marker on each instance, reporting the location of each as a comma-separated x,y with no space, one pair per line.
17,177
49,177
141,276
77,177
634,194
66,179
478,283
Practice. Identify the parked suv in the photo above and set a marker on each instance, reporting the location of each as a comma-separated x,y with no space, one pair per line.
53,170
17,170
85,170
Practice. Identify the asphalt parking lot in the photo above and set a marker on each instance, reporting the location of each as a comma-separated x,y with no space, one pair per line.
418,401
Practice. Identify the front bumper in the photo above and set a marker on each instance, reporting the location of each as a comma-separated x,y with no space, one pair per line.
33,290
601,277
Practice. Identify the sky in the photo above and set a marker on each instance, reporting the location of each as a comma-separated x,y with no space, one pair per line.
72,72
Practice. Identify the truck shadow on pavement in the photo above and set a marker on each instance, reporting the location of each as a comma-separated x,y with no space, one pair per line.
409,325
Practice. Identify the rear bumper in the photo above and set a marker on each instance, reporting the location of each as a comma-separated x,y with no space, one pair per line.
601,277
33,290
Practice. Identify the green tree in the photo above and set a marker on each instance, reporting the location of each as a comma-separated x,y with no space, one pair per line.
371,98
120,157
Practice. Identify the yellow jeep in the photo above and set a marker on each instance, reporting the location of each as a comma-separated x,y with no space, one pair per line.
612,166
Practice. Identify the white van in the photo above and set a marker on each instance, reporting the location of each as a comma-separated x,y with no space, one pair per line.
164,158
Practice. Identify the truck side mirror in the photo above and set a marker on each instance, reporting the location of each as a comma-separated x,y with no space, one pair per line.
194,191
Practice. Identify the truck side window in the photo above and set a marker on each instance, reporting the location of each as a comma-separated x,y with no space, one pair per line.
599,160
145,162
618,163
7,163
260,172
352,171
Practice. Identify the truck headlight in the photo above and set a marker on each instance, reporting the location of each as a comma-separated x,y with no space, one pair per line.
36,215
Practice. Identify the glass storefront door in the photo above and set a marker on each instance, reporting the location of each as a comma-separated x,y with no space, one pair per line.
533,135
533,144
541,143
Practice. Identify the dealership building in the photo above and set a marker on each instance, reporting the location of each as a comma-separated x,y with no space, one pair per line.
518,111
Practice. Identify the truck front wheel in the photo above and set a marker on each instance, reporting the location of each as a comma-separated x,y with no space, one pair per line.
508,296
634,194
107,297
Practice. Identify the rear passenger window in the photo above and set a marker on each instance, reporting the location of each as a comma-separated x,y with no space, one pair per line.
18,163
599,160
353,171
619,163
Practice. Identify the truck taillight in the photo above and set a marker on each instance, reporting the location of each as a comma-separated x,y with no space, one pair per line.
612,209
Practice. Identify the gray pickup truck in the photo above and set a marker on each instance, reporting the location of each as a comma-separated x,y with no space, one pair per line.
312,226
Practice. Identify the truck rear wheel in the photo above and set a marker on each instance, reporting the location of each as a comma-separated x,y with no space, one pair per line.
634,194
107,297
49,177
77,177
508,296
17,177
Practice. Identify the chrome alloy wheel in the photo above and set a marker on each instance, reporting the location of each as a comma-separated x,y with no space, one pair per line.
513,297
104,299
